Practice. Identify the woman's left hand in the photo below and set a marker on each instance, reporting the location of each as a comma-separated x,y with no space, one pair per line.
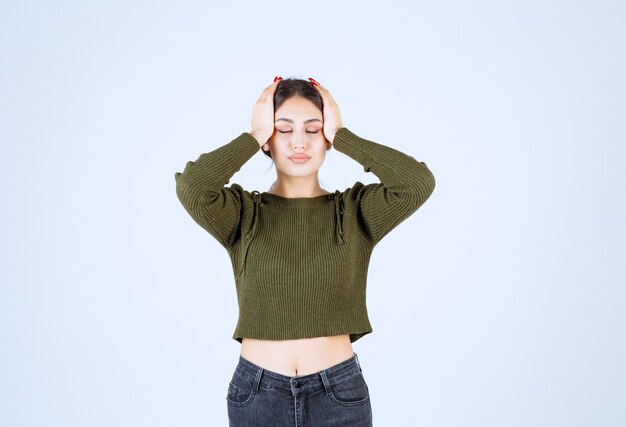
332,115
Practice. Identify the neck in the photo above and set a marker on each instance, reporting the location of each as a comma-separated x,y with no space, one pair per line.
291,187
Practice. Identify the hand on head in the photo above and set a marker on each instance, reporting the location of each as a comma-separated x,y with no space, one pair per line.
332,115
263,113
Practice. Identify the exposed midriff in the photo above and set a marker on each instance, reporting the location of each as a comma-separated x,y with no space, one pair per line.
299,356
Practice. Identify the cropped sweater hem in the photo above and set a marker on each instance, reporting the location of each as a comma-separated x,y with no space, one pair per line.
354,334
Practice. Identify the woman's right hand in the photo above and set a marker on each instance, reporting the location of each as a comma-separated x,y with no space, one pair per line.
263,114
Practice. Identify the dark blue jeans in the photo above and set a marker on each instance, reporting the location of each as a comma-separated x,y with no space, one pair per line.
336,396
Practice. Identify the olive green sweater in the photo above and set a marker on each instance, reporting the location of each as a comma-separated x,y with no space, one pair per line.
300,264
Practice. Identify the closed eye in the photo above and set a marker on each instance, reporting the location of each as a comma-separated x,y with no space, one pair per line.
289,131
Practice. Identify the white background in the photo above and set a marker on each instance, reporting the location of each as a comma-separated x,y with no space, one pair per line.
501,302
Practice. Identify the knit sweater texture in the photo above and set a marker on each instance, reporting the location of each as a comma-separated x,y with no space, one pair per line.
300,264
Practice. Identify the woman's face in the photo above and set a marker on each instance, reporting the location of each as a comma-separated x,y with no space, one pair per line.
298,127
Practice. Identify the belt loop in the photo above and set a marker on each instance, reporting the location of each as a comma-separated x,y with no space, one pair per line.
325,381
356,358
257,379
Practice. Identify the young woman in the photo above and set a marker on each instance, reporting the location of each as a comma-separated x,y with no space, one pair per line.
300,255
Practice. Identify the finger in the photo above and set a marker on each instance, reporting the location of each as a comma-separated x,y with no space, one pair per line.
268,93
326,92
263,95
323,91
269,90
319,88
272,88
326,96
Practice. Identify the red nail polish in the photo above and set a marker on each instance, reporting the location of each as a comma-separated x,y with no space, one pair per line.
275,78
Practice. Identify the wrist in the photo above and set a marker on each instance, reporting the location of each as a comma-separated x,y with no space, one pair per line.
258,138
331,135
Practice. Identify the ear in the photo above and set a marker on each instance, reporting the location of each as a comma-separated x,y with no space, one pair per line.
266,147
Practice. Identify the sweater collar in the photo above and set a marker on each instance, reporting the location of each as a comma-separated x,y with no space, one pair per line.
284,202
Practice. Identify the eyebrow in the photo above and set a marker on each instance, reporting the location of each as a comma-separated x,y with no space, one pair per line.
305,122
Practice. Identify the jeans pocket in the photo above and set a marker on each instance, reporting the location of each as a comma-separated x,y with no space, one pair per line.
240,390
350,391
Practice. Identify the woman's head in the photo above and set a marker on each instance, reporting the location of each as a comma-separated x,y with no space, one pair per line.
298,129
290,88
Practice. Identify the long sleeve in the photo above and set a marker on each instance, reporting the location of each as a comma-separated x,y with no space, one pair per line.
405,184
201,188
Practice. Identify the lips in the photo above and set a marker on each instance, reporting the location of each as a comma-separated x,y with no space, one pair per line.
299,157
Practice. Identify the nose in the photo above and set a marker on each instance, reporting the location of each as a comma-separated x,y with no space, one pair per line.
298,140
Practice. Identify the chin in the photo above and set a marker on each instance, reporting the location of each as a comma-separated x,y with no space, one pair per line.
300,173
292,169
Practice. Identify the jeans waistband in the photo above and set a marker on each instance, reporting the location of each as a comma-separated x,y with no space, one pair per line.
322,379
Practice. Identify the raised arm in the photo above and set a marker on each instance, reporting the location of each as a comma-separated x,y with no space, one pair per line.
201,187
405,183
